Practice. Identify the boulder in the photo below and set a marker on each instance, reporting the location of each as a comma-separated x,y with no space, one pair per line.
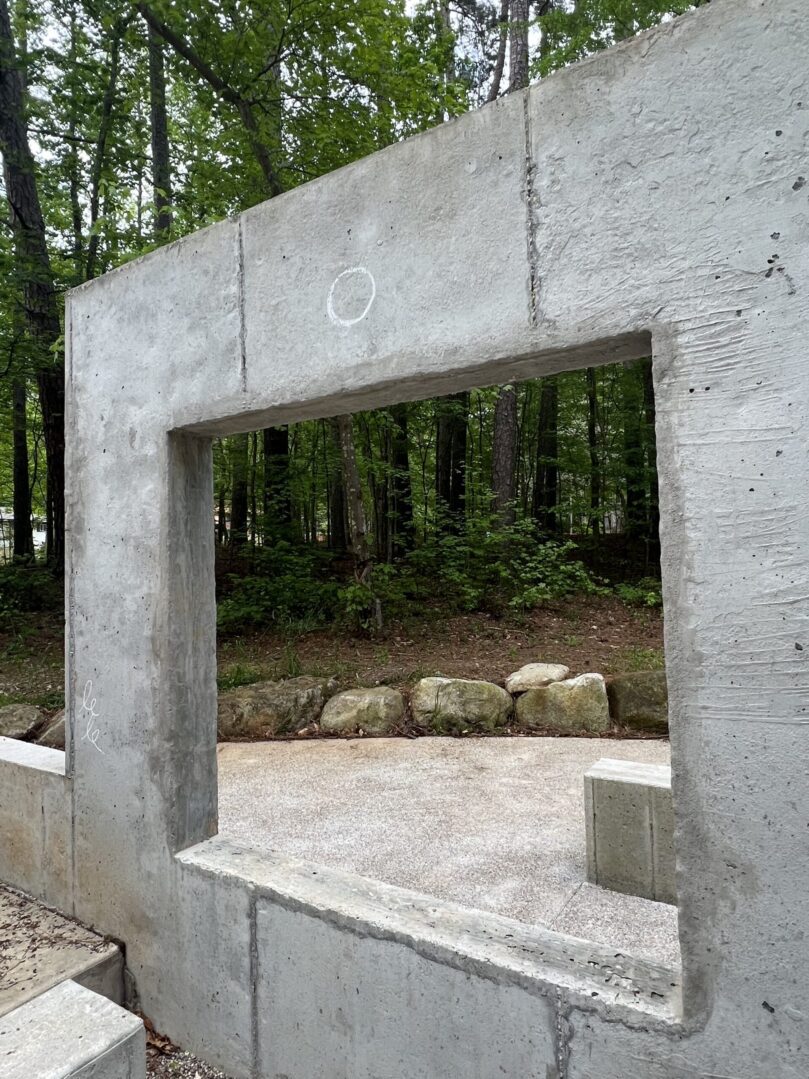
640,701
370,711
536,675
576,704
455,705
54,734
266,709
19,720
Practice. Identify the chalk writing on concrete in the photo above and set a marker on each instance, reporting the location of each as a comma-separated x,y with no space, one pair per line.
356,273
92,731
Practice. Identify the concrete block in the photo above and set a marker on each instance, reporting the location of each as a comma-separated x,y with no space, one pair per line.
70,1032
35,854
629,821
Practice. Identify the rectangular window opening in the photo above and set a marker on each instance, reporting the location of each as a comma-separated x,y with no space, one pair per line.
386,584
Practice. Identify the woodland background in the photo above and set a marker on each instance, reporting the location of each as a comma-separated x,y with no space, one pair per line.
126,125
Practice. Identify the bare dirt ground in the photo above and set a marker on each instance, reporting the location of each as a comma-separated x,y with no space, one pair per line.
587,634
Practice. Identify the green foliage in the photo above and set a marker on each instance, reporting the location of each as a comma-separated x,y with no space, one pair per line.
645,593
29,588
290,592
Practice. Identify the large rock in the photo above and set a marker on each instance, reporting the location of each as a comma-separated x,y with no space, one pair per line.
577,704
454,705
19,720
640,701
371,711
536,675
54,734
266,709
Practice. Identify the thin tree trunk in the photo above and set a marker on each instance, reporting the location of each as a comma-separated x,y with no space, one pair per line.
101,146
592,443
337,501
276,501
161,162
504,453
23,531
546,490
653,530
636,525
33,270
240,450
221,519
401,486
357,527
499,64
450,458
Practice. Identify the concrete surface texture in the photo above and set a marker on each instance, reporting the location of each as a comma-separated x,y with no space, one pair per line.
494,823
629,823
653,198
40,948
70,1032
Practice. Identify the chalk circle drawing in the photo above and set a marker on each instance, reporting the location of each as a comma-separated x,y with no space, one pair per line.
351,275
88,709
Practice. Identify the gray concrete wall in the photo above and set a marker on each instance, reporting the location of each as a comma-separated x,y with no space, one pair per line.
629,825
654,197
35,827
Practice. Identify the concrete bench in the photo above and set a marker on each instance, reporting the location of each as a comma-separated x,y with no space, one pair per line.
629,821
70,1032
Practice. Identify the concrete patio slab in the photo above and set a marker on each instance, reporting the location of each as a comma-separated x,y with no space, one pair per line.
40,949
496,824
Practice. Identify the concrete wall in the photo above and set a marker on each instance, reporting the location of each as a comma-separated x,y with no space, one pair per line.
629,824
35,828
654,197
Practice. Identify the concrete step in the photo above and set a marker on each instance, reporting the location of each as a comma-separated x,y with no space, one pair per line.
69,1032
39,949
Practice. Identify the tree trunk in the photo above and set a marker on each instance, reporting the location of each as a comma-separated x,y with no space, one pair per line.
221,518
240,449
33,270
357,527
97,169
450,458
504,453
23,531
499,64
546,489
401,486
653,530
276,502
337,500
161,162
592,443
636,525
518,46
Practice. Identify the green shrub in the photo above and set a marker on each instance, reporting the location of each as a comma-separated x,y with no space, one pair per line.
645,593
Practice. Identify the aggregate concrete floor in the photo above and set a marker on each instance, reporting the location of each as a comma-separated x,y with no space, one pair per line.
40,948
496,823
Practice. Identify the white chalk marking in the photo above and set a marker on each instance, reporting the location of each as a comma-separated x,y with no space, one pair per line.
338,320
88,709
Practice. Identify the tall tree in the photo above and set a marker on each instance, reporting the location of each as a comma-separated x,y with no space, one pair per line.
546,488
23,530
33,271
450,457
161,159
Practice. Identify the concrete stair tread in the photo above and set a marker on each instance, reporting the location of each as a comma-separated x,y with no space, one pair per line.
40,948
